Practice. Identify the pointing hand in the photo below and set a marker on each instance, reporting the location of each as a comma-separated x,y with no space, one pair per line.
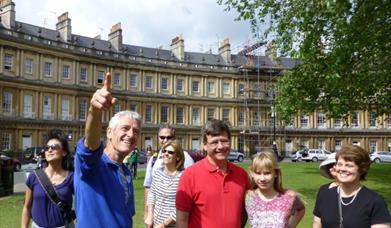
102,98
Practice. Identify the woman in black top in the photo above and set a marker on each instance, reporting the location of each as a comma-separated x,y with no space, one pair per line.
350,204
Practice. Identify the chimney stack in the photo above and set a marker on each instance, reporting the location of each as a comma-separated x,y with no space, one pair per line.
115,36
64,27
7,13
178,47
271,52
225,50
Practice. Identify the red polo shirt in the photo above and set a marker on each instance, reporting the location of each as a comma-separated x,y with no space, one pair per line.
212,198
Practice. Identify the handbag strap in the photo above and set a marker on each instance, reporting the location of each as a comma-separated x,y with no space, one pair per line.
47,186
43,179
340,208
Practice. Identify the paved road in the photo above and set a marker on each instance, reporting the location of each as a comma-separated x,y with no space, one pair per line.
19,181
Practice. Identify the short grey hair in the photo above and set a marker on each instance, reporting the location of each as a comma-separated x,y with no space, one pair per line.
129,114
167,126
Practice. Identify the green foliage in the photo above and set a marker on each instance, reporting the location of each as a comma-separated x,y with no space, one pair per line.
343,46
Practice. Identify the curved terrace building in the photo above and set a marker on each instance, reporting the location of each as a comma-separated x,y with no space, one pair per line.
47,78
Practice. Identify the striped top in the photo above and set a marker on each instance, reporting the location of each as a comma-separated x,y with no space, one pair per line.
162,194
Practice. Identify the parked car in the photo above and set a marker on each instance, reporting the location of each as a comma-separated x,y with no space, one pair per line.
6,160
30,153
29,167
315,155
380,156
298,156
236,156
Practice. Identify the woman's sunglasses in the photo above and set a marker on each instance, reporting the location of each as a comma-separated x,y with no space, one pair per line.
168,151
166,137
53,147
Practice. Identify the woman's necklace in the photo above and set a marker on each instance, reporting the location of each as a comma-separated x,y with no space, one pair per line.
353,198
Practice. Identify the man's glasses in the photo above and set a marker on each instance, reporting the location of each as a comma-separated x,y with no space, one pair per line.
216,143
168,151
53,147
166,137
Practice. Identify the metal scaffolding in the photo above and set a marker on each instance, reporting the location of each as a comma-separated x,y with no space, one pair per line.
259,131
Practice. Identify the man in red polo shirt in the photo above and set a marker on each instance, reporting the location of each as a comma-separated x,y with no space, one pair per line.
211,192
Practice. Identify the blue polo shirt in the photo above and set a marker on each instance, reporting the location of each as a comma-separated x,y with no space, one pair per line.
99,193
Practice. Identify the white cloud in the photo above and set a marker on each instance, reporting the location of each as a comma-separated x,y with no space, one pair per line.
150,23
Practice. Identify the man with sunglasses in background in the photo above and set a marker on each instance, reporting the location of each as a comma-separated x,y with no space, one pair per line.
104,195
166,134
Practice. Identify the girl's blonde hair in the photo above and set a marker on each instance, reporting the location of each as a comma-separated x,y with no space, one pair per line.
267,161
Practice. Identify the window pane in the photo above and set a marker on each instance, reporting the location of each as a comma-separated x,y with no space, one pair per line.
164,114
5,140
196,116
47,108
148,113
83,74
164,83
195,86
28,65
321,119
372,146
8,60
28,106
241,118
7,102
372,119
66,72
101,77
226,114
257,119
179,85
117,79
337,122
133,80
241,89
133,107
65,104
211,87
226,88
210,113
148,82
82,110
47,69
355,122
304,121
116,108
179,115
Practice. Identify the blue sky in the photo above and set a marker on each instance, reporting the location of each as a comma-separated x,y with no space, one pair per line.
151,23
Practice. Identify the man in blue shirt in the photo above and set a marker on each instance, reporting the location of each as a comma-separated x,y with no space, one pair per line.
103,186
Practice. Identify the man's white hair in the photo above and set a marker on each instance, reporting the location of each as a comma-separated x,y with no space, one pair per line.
114,121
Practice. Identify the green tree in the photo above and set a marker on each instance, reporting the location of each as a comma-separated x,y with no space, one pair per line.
343,49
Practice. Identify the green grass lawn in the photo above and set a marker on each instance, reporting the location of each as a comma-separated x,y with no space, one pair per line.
301,177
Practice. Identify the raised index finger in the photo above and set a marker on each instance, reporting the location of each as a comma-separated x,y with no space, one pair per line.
107,82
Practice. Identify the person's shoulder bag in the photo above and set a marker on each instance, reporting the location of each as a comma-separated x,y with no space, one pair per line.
66,211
